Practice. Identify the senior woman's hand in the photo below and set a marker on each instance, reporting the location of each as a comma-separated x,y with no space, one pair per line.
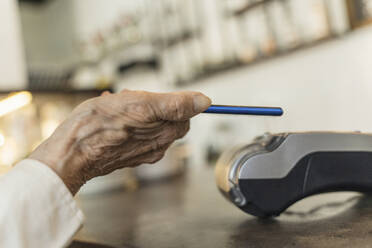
118,130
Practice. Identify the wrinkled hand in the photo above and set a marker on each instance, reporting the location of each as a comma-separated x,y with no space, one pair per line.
118,130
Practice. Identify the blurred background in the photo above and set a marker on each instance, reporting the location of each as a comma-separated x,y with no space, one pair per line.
312,57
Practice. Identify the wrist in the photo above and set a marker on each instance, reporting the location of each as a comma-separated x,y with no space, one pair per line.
51,154
68,177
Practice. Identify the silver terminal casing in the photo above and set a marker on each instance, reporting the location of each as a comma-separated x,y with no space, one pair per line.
228,167
274,156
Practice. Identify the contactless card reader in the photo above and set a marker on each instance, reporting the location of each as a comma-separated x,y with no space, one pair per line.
266,177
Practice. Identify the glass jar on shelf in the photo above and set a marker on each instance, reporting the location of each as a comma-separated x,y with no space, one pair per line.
258,31
313,19
283,24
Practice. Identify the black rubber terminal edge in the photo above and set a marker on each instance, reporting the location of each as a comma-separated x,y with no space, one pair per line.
315,173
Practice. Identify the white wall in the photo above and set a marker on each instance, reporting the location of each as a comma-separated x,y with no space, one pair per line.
328,87
12,64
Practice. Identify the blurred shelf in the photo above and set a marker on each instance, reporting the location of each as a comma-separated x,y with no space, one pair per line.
232,65
151,63
57,91
250,6
34,1
177,39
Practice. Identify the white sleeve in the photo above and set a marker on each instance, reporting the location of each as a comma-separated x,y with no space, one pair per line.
36,208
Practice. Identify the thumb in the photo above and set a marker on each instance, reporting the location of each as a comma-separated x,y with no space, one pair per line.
179,106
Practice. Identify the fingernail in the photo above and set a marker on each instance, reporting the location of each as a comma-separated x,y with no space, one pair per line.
201,103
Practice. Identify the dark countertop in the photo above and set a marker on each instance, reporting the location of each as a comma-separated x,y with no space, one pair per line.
189,211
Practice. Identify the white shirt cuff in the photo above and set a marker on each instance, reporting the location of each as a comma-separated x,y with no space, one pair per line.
36,208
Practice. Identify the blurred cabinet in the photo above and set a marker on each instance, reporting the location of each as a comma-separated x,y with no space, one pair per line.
221,34
187,39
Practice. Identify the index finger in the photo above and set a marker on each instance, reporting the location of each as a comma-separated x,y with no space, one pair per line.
179,106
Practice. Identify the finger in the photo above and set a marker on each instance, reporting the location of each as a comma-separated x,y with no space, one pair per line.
154,157
176,130
147,158
140,147
147,155
136,148
183,128
105,93
167,129
178,106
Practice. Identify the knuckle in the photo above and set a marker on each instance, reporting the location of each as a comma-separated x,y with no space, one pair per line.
92,111
181,129
140,110
155,145
174,133
179,133
156,157
146,97
185,127
160,156
125,91
179,106
113,137
142,96
170,134
94,152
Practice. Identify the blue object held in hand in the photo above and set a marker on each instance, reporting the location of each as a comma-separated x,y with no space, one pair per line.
244,110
